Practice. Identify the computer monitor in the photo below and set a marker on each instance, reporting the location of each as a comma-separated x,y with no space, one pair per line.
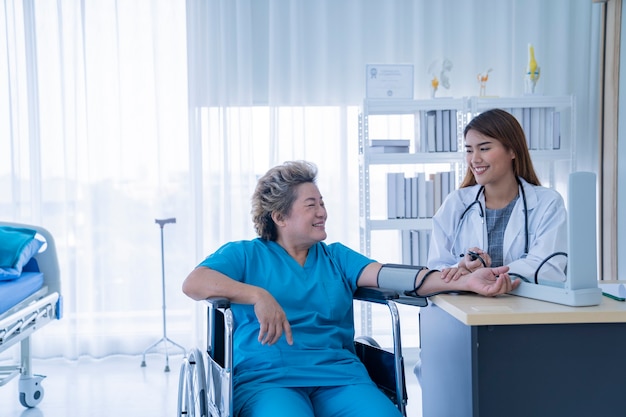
581,287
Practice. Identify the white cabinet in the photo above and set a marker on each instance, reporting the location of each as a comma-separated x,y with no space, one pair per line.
425,140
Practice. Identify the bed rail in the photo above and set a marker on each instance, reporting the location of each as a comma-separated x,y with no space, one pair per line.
31,314
25,321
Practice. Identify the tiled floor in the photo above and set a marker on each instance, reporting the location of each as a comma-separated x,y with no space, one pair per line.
119,386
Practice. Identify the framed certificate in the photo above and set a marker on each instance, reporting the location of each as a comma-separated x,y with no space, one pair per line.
389,81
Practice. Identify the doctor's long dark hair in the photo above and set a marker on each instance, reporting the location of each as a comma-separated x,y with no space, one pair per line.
504,127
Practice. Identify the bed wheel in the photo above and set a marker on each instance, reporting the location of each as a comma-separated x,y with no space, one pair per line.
31,390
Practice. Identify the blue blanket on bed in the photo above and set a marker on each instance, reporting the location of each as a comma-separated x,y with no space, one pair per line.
12,242
13,292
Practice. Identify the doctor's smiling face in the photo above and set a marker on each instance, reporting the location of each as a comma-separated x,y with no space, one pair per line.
497,150
488,159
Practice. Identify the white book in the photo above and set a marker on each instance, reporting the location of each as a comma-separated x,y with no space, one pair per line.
437,180
392,211
542,141
424,245
400,213
447,138
452,179
445,185
549,128
439,131
430,196
431,134
421,141
454,133
421,196
535,127
526,124
389,149
414,194
556,132
415,247
390,142
407,197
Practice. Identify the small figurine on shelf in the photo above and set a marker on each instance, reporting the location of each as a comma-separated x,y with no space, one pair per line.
439,70
532,72
434,84
483,77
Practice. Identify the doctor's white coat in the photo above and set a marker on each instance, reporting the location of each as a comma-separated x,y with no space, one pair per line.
547,232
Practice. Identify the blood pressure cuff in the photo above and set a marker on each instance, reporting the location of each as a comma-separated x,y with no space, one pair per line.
401,278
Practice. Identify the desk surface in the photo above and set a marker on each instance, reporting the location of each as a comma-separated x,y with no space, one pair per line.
510,309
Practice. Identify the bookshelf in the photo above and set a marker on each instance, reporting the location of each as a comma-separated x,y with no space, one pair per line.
432,129
431,144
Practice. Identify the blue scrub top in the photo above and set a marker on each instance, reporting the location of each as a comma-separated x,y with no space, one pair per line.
317,300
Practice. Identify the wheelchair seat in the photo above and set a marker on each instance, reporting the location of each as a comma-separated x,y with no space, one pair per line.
206,387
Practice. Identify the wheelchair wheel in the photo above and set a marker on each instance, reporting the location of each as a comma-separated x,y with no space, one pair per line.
192,392
183,403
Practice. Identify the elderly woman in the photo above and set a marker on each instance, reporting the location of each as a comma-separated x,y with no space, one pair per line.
292,304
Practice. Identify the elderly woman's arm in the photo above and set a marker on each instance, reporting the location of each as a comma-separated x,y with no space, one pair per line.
204,282
484,281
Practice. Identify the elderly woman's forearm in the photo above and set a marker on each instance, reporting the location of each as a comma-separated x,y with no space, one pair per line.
203,283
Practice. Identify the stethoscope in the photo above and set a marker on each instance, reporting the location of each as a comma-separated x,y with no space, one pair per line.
482,214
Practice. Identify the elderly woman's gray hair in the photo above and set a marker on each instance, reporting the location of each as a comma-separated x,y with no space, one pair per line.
276,192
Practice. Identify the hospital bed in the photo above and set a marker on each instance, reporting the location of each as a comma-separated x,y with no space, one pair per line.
27,303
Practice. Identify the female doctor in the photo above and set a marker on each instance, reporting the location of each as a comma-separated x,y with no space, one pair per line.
500,215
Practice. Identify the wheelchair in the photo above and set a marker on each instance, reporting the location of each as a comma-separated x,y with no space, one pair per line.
205,382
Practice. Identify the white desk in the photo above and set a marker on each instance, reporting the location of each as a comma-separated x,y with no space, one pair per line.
512,356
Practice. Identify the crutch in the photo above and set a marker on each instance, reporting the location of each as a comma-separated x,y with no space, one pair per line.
164,339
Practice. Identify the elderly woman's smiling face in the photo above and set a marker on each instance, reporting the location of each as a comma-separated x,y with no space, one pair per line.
306,223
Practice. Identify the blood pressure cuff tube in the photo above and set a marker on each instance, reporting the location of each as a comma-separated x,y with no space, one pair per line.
400,278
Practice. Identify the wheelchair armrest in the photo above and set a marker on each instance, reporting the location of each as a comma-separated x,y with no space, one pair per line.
375,294
218,302
413,301
382,295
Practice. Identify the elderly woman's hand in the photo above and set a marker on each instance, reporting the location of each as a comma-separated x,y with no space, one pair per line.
490,281
272,319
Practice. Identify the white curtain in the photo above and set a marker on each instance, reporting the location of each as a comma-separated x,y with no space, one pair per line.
116,113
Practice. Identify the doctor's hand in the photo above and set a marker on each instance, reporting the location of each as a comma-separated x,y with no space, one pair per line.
453,274
474,259
272,319
490,281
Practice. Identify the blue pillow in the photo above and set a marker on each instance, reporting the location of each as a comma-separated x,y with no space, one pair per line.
17,247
